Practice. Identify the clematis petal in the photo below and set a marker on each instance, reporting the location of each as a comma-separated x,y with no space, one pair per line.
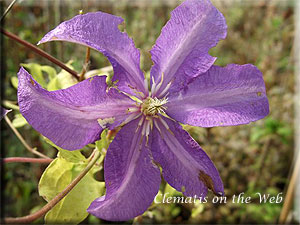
3,112
68,117
227,96
185,166
100,31
131,178
181,51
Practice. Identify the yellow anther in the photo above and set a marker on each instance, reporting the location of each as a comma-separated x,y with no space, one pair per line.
153,106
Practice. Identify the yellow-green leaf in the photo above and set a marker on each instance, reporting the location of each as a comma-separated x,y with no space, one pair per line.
72,208
19,121
14,81
36,71
55,178
50,71
172,191
53,85
65,79
70,156
103,143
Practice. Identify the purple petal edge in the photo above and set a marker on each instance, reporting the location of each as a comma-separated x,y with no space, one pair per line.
68,117
131,178
223,96
185,166
3,112
100,31
181,51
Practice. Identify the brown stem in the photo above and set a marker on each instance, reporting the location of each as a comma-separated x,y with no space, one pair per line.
25,159
32,150
32,217
8,9
289,197
40,52
86,63
111,133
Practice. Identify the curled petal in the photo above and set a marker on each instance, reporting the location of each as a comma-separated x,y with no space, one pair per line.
3,112
68,117
131,178
227,96
185,166
100,31
181,51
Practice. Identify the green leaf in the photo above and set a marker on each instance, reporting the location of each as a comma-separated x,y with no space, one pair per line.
172,191
14,81
36,71
257,134
58,81
65,79
53,85
19,121
70,156
103,143
55,178
50,71
72,208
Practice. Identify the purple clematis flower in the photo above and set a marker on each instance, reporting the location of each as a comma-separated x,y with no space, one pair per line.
185,88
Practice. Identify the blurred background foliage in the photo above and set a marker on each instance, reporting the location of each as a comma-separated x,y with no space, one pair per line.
250,158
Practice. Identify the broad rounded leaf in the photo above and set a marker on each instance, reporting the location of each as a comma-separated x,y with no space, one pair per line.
72,208
19,121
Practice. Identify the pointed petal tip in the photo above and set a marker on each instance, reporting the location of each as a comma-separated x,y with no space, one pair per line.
4,112
223,96
101,31
183,161
181,50
68,117
23,77
131,179
96,210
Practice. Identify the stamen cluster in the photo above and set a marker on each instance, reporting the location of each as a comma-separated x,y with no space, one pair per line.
153,106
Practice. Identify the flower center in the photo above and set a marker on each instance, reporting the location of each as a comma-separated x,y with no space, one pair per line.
153,106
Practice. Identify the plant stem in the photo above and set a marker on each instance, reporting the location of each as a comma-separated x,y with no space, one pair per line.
60,196
111,133
32,150
8,9
86,63
289,197
25,159
9,105
40,52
